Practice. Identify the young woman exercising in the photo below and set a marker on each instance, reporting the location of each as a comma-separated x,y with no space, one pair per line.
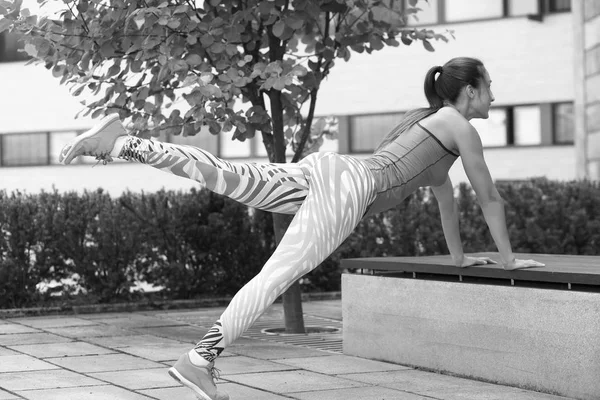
329,194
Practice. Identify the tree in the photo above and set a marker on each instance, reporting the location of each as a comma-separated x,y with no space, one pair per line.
243,66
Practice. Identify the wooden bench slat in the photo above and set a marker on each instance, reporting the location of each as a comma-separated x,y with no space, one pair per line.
559,268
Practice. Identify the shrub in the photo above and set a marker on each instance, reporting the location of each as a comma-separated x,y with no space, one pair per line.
91,248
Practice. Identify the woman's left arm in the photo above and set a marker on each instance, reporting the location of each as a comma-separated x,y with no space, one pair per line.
449,213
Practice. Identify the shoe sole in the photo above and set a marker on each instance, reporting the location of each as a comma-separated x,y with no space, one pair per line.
109,120
179,378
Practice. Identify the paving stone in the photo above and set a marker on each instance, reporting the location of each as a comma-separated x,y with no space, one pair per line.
286,382
4,395
245,365
184,333
23,363
7,352
69,349
50,379
362,393
162,352
52,322
7,329
83,332
84,393
108,362
486,391
234,390
31,338
414,381
272,351
529,395
340,364
118,342
138,379
138,321
179,393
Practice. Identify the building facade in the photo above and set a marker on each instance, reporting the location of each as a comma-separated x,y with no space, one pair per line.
542,56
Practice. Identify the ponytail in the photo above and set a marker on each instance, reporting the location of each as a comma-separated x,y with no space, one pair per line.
431,93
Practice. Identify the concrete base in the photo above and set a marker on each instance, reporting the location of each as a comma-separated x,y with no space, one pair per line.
539,339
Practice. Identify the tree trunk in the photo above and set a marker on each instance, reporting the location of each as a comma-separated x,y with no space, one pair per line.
292,298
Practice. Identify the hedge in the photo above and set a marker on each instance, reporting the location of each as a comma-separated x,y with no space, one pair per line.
69,248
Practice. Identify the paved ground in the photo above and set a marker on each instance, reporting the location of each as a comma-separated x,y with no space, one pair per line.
126,355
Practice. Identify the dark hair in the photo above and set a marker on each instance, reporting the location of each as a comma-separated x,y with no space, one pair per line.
453,76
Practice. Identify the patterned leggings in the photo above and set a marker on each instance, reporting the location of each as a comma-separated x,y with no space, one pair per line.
328,193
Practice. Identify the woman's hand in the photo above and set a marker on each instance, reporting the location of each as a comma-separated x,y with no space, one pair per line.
522,264
470,261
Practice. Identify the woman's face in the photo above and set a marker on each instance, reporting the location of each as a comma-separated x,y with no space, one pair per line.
483,98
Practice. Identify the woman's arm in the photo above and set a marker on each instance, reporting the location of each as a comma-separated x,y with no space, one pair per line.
449,213
492,204
450,225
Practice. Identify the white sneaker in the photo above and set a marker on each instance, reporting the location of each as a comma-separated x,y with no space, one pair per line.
98,141
199,379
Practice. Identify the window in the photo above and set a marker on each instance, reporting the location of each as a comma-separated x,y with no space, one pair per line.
463,10
564,126
9,48
558,5
428,14
366,131
25,149
523,7
527,124
493,131
203,139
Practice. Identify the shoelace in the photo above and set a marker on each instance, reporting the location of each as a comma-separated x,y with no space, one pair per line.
103,158
216,373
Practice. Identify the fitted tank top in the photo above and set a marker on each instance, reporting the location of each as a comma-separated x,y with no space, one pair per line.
414,159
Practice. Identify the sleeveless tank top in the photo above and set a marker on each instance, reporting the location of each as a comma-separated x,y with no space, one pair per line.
416,158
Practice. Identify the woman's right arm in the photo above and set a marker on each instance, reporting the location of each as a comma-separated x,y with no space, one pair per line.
471,152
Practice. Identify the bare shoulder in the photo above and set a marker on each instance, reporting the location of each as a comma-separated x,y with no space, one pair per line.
450,127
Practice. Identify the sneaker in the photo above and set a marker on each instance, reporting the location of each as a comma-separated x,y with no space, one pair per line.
199,379
98,141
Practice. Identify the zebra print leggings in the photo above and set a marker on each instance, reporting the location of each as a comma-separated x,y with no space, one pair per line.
328,193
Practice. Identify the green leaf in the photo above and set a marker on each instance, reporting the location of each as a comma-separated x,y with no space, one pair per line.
193,59
207,40
278,28
5,24
428,45
413,3
294,23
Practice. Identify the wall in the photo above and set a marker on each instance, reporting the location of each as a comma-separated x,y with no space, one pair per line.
521,56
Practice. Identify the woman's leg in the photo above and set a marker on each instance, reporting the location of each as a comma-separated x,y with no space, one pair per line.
341,189
271,187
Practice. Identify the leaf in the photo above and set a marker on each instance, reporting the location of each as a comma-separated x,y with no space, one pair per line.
428,45
5,24
294,23
193,59
278,28
207,40
413,3
30,49
407,41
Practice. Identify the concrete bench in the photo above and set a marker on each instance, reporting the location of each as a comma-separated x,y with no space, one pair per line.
537,329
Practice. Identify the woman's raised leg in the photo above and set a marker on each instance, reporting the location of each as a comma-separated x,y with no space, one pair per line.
267,186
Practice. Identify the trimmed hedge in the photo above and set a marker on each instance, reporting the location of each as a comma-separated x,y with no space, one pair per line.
89,248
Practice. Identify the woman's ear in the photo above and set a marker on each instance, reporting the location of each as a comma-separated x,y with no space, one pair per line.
470,91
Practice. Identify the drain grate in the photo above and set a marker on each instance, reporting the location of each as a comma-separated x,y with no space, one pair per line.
330,342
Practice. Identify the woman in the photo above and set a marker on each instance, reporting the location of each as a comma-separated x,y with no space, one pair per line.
329,194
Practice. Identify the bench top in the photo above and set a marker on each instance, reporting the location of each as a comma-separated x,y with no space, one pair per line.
569,269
